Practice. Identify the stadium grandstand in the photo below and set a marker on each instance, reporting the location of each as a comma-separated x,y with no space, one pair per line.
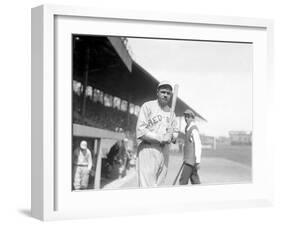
108,89
240,137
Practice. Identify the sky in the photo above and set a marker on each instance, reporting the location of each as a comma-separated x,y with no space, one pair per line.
215,78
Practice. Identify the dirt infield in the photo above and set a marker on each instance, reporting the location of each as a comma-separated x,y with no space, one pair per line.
227,164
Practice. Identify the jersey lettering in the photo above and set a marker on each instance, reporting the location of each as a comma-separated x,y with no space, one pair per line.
156,119
153,118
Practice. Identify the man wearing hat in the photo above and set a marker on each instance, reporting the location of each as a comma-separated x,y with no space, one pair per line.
191,152
82,161
155,130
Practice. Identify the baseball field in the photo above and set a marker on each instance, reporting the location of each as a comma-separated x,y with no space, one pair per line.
227,164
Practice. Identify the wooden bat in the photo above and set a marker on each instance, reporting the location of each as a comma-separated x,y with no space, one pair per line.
174,101
169,128
176,179
173,106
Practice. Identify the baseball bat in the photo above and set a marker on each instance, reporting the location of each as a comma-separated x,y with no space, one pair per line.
173,106
175,181
174,101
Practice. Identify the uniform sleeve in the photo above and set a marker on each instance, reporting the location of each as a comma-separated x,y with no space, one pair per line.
197,145
142,122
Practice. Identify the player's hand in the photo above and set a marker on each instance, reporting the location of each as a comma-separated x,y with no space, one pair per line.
166,138
197,166
170,130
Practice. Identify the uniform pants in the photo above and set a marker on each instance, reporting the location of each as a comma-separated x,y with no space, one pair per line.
81,177
189,172
152,165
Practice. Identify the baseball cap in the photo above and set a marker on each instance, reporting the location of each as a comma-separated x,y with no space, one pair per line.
165,83
83,144
189,112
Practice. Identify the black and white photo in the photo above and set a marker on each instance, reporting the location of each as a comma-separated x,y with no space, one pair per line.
148,113
118,110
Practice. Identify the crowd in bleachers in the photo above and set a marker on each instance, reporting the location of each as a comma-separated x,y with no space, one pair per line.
100,116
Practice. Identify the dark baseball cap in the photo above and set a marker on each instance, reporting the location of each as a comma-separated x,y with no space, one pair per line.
189,112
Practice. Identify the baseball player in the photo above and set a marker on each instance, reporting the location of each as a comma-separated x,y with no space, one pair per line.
155,131
82,161
192,151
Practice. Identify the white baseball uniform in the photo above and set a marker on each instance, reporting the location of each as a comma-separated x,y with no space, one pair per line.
152,163
82,161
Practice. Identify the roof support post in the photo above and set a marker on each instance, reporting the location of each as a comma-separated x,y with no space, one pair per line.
86,75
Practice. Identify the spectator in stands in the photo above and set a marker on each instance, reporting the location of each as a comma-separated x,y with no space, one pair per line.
82,162
191,152
103,117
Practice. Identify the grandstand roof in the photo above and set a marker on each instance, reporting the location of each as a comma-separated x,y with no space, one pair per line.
110,70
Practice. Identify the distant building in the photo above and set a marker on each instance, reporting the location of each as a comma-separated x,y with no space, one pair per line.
208,142
240,137
222,140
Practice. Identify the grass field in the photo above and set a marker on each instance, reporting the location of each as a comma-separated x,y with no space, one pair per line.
226,164
240,154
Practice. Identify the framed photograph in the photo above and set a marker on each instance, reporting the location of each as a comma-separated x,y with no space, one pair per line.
137,112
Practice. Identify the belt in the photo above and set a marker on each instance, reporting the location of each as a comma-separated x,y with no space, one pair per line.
146,142
81,165
156,144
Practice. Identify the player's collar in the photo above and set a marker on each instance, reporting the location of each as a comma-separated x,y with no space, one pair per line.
190,125
164,108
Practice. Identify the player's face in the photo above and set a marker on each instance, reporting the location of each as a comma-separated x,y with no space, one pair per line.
188,118
164,95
